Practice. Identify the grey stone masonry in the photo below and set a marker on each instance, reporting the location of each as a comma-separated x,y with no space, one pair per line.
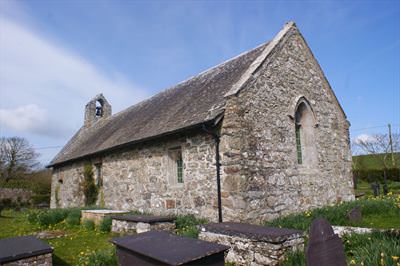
251,244
41,260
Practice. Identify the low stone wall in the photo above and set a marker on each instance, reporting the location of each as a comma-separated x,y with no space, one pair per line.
255,247
42,260
140,227
15,194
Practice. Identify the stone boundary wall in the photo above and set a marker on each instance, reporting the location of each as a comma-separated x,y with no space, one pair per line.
246,251
119,226
43,260
16,193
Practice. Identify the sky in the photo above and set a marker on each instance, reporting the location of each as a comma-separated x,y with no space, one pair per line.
57,55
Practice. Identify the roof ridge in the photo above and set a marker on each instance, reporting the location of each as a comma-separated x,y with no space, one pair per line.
261,58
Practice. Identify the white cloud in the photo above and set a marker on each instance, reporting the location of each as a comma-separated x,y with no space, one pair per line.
30,118
363,138
44,86
23,117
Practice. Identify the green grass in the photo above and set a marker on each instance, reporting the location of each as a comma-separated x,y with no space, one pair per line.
186,225
378,248
365,187
382,212
72,249
373,161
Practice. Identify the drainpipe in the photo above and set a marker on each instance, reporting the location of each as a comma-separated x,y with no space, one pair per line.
217,138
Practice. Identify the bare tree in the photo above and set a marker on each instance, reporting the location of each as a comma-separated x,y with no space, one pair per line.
17,157
379,144
382,147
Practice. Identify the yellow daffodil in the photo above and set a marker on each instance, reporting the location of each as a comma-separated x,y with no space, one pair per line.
352,262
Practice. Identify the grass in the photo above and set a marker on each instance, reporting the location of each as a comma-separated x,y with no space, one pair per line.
82,244
75,248
186,225
378,248
373,161
382,212
365,187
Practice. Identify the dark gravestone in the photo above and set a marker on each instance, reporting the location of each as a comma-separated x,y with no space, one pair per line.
354,215
325,247
375,188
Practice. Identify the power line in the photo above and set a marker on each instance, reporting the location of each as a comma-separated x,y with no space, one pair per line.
359,129
48,147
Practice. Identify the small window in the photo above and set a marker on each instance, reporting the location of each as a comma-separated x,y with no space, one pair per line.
175,165
98,175
298,145
179,168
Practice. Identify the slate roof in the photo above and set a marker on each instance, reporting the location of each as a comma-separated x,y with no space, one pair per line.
197,100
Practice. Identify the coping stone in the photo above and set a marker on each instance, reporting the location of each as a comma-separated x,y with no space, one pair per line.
254,232
144,218
16,248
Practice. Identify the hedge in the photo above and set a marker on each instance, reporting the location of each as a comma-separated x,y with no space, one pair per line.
377,175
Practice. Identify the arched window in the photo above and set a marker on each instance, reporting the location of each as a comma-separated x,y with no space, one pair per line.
304,132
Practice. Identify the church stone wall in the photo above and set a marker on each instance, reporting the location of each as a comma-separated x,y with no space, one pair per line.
261,176
139,179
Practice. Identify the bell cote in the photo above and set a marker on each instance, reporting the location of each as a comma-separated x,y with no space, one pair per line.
98,108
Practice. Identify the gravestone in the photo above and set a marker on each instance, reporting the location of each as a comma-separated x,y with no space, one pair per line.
354,215
375,189
325,247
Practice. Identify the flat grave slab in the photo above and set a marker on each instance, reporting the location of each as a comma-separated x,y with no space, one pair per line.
253,244
256,232
162,248
25,250
98,215
142,223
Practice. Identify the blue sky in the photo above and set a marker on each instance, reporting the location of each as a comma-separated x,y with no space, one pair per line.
56,55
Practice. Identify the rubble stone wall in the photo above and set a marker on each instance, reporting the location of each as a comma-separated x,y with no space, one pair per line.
261,177
246,251
41,260
139,179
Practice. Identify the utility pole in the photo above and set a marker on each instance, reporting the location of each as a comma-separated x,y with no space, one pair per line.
391,144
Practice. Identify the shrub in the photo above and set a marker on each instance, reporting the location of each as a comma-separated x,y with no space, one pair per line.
100,258
188,231
49,217
32,217
74,217
188,220
40,198
89,225
105,224
90,189
186,225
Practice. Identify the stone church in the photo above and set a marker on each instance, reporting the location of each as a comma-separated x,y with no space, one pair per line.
253,138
